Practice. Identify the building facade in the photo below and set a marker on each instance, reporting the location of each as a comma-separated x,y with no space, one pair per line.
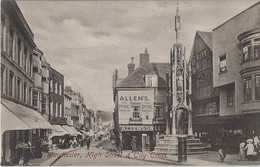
205,99
56,95
236,71
67,107
140,103
17,45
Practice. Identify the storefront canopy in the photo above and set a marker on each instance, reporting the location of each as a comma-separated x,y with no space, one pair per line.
10,121
72,131
29,116
58,131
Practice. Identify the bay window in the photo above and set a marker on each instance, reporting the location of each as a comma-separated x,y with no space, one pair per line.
257,48
247,89
246,50
257,87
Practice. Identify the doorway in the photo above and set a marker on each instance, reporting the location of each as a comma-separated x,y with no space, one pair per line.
145,142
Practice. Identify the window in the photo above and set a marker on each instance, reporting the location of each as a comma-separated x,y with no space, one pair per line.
24,58
60,107
158,112
247,89
11,41
151,80
51,85
230,96
3,79
3,32
55,87
223,63
56,109
18,89
60,89
51,108
204,64
11,78
209,63
257,48
246,51
257,87
19,51
199,66
24,93
35,98
136,113
30,95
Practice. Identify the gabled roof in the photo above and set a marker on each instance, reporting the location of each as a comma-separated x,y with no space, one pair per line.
136,79
207,38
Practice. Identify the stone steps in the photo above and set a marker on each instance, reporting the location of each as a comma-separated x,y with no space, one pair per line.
169,145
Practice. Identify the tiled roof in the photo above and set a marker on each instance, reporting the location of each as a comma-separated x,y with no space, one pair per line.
207,38
136,79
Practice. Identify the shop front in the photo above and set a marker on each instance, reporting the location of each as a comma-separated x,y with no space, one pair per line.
216,131
144,135
23,127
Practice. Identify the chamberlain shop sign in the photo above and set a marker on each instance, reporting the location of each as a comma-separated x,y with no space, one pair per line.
142,128
141,100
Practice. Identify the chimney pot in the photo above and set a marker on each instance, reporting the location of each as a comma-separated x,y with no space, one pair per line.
131,66
144,57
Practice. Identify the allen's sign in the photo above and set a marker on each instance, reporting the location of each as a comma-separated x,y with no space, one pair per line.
138,101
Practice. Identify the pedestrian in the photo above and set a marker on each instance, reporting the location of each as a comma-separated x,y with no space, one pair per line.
242,151
133,144
249,149
257,145
88,141
222,154
122,141
27,154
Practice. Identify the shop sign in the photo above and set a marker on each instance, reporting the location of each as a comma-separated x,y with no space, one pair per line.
159,128
136,128
128,99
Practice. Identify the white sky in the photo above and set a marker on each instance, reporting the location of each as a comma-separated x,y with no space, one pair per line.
87,40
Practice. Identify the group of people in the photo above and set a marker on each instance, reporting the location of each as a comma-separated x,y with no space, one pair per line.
250,150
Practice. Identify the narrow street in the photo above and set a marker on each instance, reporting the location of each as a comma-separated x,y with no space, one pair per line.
99,157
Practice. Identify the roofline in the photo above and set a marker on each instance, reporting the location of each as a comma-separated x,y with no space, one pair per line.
56,71
236,16
138,69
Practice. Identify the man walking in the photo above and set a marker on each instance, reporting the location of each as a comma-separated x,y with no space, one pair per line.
88,141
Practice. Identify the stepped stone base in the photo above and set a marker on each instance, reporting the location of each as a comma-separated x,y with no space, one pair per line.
169,145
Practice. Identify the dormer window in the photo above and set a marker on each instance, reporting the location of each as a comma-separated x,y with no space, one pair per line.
151,81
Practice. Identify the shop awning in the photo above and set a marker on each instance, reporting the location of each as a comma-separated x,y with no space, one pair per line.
29,116
11,122
72,131
58,131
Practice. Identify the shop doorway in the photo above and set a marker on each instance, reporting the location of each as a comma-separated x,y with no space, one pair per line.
145,142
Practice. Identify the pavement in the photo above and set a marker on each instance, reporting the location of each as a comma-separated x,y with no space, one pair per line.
80,156
48,159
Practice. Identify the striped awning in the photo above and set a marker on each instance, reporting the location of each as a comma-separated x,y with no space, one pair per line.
9,121
27,115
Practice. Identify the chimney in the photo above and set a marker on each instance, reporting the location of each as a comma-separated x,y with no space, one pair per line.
144,57
131,66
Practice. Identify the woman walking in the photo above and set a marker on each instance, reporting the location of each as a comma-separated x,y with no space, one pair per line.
249,149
